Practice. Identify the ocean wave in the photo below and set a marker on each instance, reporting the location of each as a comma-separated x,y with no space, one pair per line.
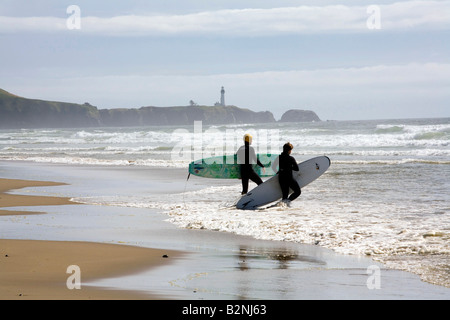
387,129
325,135
98,161
392,162
435,135
119,157
381,142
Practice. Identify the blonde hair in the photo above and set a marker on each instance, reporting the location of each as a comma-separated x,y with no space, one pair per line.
248,138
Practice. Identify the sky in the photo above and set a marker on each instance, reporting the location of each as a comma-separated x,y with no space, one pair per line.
345,60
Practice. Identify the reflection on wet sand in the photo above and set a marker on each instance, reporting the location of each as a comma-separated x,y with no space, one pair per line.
257,261
266,256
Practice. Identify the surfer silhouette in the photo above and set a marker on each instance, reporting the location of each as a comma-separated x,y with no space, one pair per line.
246,158
287,164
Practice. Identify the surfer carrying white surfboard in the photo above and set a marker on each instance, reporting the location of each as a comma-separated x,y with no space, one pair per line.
287,164
246,157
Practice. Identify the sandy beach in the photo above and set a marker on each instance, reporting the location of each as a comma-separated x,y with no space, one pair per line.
119,248
37,270
13,200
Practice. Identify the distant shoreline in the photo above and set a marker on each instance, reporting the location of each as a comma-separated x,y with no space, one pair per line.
22,113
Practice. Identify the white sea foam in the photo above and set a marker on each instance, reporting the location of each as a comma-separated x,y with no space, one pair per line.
345,226
380,229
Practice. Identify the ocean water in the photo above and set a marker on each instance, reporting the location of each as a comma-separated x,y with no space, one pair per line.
386,194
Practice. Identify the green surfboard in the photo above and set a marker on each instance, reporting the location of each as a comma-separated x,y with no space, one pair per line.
227,167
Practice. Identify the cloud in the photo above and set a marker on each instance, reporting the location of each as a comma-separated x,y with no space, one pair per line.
249,22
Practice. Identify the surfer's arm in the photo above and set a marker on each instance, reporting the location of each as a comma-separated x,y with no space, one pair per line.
259,163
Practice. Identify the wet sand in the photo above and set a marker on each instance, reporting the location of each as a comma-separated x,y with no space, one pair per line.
37,270
14,200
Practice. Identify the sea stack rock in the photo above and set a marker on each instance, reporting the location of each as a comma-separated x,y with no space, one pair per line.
296,115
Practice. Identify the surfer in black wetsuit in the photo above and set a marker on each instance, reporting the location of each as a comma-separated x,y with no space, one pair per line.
287,164
246,158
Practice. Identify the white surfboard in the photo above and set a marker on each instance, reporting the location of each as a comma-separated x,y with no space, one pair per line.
270,190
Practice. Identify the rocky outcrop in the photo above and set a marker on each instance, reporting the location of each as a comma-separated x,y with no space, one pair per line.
296,115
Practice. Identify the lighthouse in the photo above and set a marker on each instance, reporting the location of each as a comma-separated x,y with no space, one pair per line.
222,97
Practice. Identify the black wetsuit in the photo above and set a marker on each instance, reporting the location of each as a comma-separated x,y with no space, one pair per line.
287,164
246,158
